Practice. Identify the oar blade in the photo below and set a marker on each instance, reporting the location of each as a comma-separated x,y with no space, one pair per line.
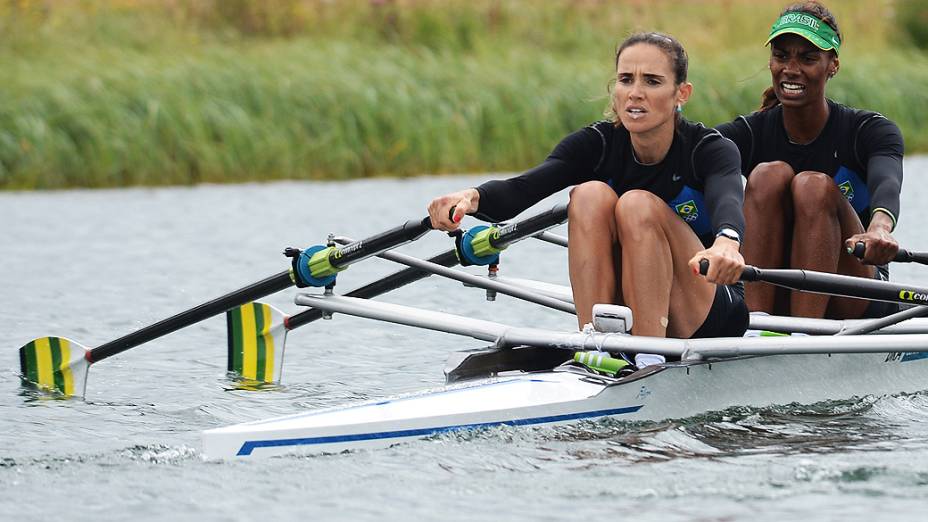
256,337
55,365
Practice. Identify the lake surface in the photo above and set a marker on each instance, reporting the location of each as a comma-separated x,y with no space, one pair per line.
95,265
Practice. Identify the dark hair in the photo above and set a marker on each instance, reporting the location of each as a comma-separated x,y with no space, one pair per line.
769,99
671,47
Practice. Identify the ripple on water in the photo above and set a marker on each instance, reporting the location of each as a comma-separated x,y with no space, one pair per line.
131,449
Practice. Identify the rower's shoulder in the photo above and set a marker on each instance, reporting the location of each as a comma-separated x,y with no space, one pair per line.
589,142
604,129
697,135
864,128
602,135
857,117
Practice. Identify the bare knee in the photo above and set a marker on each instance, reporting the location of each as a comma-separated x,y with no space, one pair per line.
590,202
813,193
638,212
768,181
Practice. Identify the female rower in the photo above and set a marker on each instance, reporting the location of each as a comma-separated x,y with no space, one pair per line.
823,176
654,194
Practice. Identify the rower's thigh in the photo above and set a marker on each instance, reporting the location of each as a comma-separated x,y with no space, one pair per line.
691,296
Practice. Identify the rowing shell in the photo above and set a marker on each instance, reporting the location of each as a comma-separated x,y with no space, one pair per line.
570,393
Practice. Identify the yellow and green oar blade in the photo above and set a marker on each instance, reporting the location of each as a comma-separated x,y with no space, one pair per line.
257,334
55,364
241,334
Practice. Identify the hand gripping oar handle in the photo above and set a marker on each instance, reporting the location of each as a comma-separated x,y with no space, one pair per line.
832,284
903,256
482,245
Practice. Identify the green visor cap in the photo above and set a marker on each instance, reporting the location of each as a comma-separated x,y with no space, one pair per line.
809,27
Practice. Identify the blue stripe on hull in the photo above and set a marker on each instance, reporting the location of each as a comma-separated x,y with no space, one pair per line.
914,356
249,446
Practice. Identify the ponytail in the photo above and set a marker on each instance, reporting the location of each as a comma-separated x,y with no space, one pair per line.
768,100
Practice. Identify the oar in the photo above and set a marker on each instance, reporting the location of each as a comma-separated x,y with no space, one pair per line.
903,256
833,284
257,332
481,245
60,365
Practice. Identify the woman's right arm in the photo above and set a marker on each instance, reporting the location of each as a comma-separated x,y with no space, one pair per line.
573,161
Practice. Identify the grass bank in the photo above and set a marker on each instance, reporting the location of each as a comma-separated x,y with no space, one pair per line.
114,93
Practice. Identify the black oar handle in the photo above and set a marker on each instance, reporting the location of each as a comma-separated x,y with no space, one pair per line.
903,256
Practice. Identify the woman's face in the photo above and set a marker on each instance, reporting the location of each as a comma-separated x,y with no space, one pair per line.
646,95
799,70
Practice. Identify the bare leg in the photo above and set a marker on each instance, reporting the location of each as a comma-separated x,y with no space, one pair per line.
844,307
657,283
823,219
768,229
591,256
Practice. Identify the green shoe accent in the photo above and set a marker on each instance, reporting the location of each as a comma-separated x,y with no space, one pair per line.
600,362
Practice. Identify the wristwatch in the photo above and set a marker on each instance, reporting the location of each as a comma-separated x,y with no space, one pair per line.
729,233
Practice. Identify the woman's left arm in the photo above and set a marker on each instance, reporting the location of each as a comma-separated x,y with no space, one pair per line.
718,163
879,143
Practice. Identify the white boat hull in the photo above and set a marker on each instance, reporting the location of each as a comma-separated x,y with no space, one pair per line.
553,397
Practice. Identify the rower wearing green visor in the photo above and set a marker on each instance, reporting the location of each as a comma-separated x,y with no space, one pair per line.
822,176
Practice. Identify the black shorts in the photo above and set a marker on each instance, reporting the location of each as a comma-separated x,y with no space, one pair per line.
728,316
880,308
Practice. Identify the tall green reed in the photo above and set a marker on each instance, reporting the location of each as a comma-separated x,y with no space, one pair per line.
155,92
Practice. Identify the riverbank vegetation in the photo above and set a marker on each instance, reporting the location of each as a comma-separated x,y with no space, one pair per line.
100,93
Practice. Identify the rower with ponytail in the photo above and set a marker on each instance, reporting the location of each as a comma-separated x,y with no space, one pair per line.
822,176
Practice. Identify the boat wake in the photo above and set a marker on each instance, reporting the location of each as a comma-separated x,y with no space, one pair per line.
866,424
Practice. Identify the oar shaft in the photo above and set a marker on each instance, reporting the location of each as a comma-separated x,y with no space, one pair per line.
217,306
340,257
508,234
837,284
354,252
904,256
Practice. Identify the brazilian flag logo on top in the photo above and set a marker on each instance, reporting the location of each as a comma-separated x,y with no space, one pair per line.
688,211
847,190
